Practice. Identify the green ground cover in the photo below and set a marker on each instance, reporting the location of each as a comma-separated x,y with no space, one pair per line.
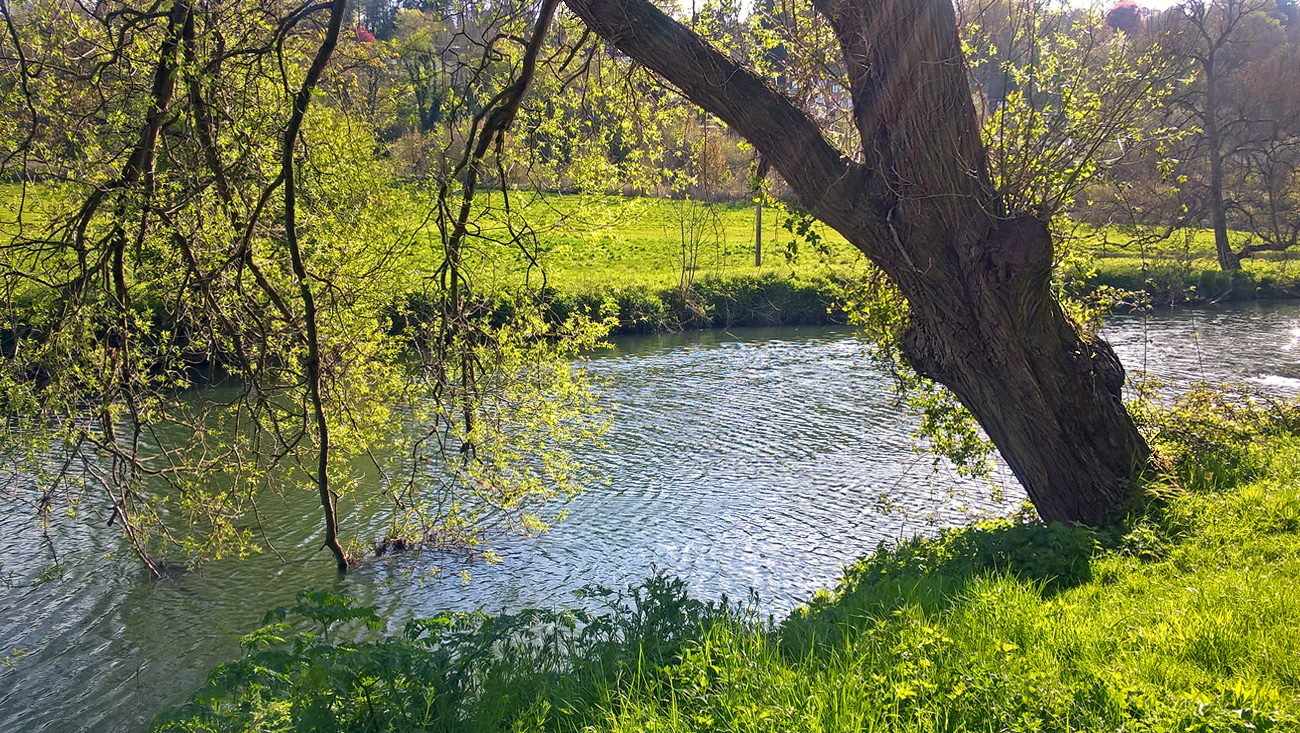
631,256
1180,619
1176,280
592,242
1179,270
655,264
600,244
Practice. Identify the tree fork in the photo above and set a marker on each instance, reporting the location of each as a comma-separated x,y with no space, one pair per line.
924,209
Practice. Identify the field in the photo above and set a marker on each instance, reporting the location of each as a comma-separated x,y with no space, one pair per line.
596,242
679,263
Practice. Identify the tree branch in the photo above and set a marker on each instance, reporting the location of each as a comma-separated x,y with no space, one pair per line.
312,364
826,181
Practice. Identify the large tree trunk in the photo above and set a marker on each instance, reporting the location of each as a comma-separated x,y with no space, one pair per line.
920,203
1047,396
1228,259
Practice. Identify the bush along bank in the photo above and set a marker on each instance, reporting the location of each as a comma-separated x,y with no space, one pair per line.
1200,282
709,302
1181,618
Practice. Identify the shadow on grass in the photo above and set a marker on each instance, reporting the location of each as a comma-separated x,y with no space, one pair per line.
473,672
932,573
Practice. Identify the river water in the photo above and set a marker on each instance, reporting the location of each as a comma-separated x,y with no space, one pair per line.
740,460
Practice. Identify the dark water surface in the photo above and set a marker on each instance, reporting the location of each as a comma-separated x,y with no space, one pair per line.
749,459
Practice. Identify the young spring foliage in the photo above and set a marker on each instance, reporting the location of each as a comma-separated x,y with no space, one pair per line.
203,297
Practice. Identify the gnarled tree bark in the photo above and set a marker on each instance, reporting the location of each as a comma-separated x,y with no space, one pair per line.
920,203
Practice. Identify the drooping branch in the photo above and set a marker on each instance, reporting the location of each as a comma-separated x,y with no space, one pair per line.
826,181
1276,246
139,164
203,123
312,364
490,125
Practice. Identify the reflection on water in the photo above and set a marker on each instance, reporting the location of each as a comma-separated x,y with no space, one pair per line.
1245,343
743,459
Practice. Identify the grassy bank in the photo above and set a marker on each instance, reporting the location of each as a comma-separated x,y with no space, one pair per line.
666,264
683,264
1181,270
585,243
657,264
1180,619
1199,281
663,264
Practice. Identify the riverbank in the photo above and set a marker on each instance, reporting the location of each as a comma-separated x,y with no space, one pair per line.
797,299
1180,619
761,300
661,265
1170,282
638,258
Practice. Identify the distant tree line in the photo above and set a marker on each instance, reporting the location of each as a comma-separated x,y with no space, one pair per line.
1217,145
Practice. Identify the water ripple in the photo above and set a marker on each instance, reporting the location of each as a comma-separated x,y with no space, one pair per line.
740,460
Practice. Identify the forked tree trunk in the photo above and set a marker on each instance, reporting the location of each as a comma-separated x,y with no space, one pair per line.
920,203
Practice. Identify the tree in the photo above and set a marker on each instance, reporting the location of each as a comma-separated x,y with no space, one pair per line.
212,206
918,199
1125,16
1062,94
1269,151
1215,36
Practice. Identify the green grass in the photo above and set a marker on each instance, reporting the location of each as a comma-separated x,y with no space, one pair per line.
597,242
1182,269
1181,619
589,242
1200,639
655,264
1173,281
663,264
626,256
1187,622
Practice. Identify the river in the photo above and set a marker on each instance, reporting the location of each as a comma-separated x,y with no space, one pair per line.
740,460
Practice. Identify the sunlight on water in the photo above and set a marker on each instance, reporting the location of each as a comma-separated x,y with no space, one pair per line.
1294,342
739,460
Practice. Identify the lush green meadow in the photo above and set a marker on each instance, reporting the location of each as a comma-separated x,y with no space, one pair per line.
1181,269
599,243
591,242
665,264
1182,618
587,244
656,264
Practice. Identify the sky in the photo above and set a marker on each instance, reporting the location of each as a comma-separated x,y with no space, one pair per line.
1148,4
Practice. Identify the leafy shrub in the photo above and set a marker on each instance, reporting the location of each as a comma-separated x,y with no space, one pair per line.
770,300
1206,434
455,672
